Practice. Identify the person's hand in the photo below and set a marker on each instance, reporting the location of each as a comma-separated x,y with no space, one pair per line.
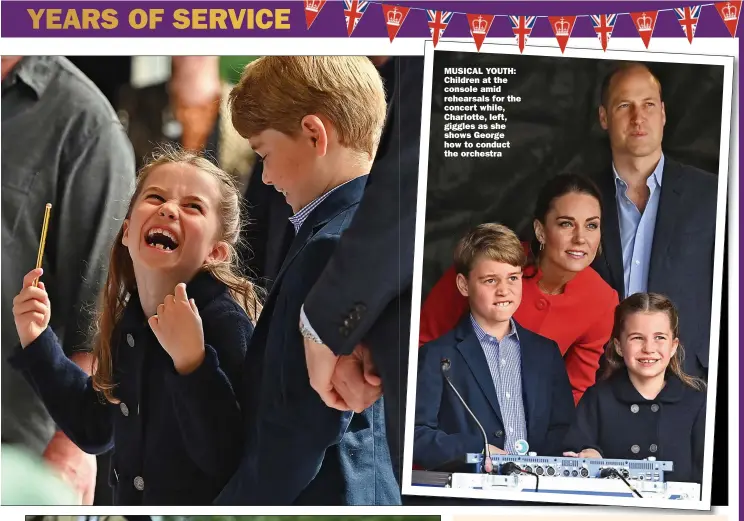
586,453
74,466
492,450
356,381
31,309
178,328
321,364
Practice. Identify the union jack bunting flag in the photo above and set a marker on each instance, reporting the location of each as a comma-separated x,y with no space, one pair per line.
688,18
522,27
438,21
353,13
603,26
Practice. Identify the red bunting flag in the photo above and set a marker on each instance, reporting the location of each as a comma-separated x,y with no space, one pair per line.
480,24
562,27
688,18
645,22
729,11
353,13
394,17
438,21
522,27
312,8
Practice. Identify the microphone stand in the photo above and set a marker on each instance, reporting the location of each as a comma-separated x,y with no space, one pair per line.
487,463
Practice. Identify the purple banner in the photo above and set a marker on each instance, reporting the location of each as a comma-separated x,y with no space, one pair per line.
286,19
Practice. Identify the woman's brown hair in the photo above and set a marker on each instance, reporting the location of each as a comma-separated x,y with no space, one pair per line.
120,281
648,303
554,188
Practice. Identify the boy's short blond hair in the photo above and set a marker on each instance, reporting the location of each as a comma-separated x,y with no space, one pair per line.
492,241
276,92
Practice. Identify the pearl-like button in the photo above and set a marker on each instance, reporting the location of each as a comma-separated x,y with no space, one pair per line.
635,449
653,447
655,408
634,408
130,340
139,483
124,409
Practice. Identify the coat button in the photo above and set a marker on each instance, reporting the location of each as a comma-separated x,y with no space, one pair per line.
355,315
653,447
139,483
130,340
635,449
541,304
634,408
344,331
347,322
498,434
124,409
655,408
361,308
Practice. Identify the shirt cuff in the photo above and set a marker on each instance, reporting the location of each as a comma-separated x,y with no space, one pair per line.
307,327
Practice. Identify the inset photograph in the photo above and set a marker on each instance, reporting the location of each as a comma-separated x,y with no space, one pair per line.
568,273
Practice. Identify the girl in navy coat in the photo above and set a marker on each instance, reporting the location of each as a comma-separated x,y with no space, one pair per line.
645,406
172,330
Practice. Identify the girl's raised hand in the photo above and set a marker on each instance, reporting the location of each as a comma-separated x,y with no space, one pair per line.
31,309
178,328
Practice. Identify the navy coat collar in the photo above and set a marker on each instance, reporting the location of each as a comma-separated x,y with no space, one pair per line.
624,391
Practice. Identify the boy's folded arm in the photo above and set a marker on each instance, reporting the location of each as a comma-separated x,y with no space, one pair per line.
67,392
432,446
205,400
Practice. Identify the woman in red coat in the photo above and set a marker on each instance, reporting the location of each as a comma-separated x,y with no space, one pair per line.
562,297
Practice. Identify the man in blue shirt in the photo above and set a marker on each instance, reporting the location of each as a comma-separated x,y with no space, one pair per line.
659,219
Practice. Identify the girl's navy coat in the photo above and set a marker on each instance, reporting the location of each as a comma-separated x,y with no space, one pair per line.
613,418
176,439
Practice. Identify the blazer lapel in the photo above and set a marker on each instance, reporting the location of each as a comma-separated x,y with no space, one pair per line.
612,254
532,384
471,350
340,200
669,213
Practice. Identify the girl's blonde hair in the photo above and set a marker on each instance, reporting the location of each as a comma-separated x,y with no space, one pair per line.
120,281
648,303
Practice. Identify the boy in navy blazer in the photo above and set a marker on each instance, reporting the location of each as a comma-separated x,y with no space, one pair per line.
315,123
513,380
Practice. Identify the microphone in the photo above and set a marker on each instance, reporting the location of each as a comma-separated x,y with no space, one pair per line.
445,366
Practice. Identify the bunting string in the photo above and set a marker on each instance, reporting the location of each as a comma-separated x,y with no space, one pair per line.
480,24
